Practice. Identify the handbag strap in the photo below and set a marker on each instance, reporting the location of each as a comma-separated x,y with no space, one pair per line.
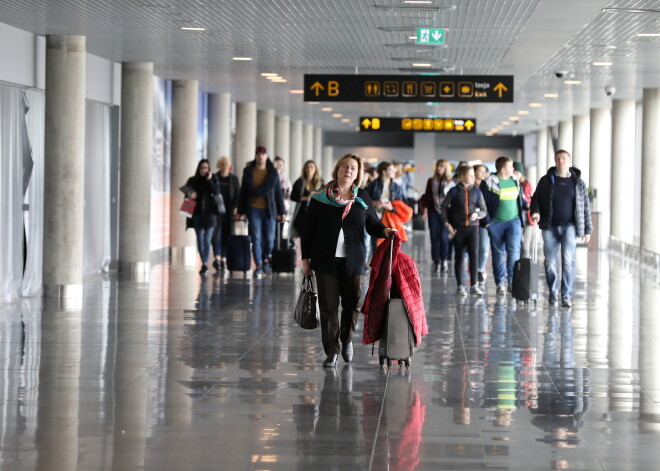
391,239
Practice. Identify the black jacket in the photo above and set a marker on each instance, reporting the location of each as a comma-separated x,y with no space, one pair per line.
542,201
460,203
231,201
322,226
271,189
206,209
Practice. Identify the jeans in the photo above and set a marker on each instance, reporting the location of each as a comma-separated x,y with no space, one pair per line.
221,235
439,238
204,237
505,239
262,231
553,238
484,247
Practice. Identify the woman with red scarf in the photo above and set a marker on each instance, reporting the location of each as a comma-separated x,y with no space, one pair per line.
333,247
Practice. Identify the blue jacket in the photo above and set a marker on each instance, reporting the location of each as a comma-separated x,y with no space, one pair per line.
490,189
270,189
375,190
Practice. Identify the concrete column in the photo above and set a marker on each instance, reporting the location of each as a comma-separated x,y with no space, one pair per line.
581,141
318,144
649,349
64,166
328,161
184,164
308,144
266,131
424,156
283,143
297,149
600,162
550,152
246,134
650,210
541,154
565,138
219,127
623,156
137,111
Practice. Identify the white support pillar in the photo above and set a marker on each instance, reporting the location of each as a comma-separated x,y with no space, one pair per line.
283,143
318,144
219,127
650,210
550,152
541,154
266,131
297,148
328,161
623,155
184,164
581,146
64,158
600,165
137,112
246,134
565,138
308,144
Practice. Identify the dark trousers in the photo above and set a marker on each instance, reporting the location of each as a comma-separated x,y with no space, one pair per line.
332,287
466,238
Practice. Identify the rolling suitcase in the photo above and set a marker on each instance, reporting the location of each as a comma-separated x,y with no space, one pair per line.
526,274
398,340
283,259
238,249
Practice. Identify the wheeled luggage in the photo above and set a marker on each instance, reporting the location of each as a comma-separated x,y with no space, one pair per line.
238,249
398,340
526,274
283,259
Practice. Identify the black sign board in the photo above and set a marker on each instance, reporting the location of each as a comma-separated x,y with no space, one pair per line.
410,88
439,125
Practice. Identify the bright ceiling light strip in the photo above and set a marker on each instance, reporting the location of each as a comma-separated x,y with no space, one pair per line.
418,2
572,82
296,91
514,118
337,115
551,95
648,35
326,109
269,74
346,120
602,64
421,64
535,105
193,28
242,58
523,112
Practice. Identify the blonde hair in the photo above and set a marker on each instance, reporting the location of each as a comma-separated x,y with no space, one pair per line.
443,163
222,159
315,181
341,162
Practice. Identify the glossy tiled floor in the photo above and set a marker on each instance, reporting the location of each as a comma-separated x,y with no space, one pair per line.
174,373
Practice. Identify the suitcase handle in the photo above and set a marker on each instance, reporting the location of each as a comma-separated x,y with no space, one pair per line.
535,243
391,240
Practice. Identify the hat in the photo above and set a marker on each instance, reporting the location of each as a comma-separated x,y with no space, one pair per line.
518,166
260,150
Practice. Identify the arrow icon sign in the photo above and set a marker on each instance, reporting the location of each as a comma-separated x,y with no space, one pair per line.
437,35
366,123
469,125
317,87
500,88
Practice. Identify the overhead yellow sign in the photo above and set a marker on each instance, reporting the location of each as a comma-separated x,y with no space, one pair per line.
441,125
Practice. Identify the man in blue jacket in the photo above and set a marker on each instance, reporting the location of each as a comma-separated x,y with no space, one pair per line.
560,206
261,200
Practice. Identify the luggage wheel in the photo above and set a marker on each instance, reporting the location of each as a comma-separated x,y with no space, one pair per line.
389,363
406,362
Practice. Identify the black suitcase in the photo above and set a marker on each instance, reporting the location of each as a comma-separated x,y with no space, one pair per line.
526,274
398,340
238,250
283,259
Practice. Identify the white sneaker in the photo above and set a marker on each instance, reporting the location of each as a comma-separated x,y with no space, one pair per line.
501,290
461,290
476,291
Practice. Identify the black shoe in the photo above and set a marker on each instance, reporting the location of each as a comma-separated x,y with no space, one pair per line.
223,267
436,268
347,351
216,265
330,360
204,269
566,302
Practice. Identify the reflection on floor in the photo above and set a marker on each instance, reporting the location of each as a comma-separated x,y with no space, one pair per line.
177,372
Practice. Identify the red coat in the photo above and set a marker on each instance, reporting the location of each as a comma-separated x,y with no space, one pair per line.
406,278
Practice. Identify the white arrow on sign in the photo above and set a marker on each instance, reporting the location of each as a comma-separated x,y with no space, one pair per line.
437,35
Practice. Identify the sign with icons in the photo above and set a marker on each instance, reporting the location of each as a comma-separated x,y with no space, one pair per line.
430,36
439,125
410,88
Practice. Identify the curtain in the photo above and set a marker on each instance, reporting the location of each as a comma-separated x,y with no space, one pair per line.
96,243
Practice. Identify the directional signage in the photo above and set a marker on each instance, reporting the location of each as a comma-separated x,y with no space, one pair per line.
440,125
411,88
432,36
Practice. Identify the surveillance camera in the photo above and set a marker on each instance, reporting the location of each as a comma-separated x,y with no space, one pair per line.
609,91
560,73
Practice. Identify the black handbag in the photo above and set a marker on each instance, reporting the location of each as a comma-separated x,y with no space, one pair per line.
307,313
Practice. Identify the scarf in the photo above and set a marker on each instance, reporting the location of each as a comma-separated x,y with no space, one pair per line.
438,187
330,194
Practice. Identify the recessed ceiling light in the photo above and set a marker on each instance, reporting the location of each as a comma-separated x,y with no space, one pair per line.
514,118
412,37
535,105
346,120
629,10
278,80
421,64
418,2
326,109
523,112
648,35
602,64
242,58
572,82
337,115
296,91
275,77
193,28
551,95
506,123
269,74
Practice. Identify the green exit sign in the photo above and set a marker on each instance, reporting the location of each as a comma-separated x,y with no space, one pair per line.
434,36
